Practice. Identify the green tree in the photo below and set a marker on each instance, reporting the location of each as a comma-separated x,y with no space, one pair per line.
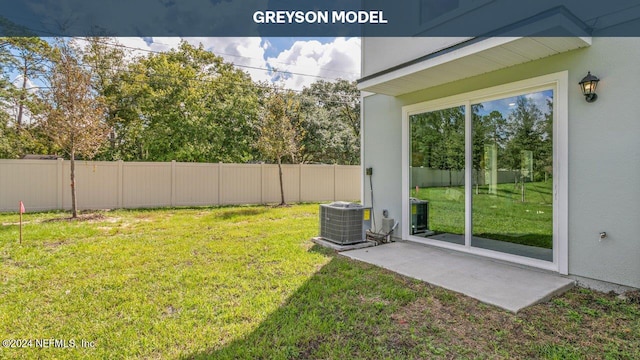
29,57
26,59
186,104
107,60
280,132
331,122
73,113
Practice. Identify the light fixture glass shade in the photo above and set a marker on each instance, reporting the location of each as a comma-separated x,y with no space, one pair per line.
588,86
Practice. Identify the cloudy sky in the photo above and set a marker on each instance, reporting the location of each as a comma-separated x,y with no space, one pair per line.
296,62
506,105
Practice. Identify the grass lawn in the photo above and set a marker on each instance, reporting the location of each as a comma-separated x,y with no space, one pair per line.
246,283
502,216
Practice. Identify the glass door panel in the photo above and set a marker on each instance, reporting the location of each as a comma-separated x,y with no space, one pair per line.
437,173
512,175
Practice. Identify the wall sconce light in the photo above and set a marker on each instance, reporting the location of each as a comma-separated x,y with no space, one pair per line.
588,86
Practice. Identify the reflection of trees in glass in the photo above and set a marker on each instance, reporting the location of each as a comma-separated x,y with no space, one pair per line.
437,140
545,158
525,128
525,133
529,130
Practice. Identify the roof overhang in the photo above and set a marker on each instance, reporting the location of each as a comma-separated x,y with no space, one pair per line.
478,56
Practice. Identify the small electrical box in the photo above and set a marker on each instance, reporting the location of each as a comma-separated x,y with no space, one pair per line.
369,171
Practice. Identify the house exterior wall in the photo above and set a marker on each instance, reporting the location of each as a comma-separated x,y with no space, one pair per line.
382,132
604,152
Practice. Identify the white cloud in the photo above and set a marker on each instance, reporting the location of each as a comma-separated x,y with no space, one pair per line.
245,52
337,59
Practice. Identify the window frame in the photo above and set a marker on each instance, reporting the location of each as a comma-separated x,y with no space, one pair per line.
558,82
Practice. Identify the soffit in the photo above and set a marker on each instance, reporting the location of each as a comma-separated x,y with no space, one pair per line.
467,61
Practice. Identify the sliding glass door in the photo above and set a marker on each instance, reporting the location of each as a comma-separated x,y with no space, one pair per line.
480,174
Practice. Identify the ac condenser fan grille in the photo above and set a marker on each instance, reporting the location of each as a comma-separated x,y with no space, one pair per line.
343,223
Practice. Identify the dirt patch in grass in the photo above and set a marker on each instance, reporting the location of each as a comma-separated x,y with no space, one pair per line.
377,300
580,324
309,346
53,245
281,206
454,321
633,297
242,212
81,217
16,223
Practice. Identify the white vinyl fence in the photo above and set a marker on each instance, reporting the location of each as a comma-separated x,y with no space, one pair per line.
45,184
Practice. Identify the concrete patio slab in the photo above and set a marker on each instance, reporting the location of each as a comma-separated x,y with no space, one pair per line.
509,287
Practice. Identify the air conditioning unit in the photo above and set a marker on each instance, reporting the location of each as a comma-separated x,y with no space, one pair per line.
344,223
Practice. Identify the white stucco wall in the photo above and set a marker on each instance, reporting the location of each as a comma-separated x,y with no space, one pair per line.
382,153
604,152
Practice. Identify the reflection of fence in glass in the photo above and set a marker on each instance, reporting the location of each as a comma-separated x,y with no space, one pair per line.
491,168
428,177
526,168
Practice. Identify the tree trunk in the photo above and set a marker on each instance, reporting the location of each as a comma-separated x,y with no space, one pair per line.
74,205
282,202
22,97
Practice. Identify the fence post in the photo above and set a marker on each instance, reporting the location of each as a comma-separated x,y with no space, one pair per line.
261,183
173,183
119,184
334,182
219,182
300,182
60,187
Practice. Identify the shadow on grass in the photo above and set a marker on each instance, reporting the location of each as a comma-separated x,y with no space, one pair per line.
340,311
349,309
